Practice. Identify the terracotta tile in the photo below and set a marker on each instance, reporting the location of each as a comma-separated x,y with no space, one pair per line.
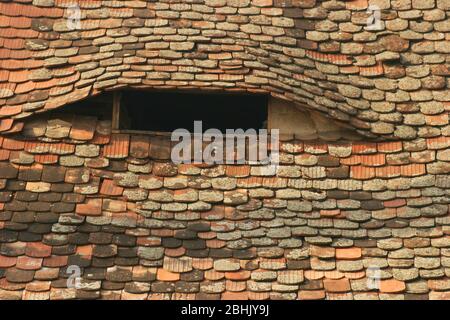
55,261
334,274
214,275
101,139
355,275
4,154
374,160
7,262
152,241
352,160
110,188
85,251
178,252
314,275
8,111
238,171
61,148
46,158
164,275
238,275
389,147
438,284
340,285
11,144
183,296
356,4
352,253
438,143
114,205
117,147
364,147
372,71
38,250
361,172
227,295
258,295
437,120
439,295
388,171
311,295
330,213
6,124
392,286
28,263
235,286
412,170
83,128
38,286
139,146
315,148
92,207
214,243
202,263
395,203
162,233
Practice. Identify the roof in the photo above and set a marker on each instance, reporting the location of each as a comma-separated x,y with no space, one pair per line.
388,83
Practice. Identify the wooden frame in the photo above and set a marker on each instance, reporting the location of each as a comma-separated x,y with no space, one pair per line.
117,96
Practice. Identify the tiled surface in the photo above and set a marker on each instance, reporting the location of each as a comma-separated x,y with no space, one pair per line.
385,83
143,228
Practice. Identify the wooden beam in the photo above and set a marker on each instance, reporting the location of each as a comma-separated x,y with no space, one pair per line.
116,110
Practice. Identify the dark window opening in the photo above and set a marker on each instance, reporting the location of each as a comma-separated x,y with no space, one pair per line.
98,107
167,111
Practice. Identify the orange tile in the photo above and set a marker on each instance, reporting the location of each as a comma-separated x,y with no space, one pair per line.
92,207
438,120
46,158
7,262
373,160
395,203
352,160
388,171
202,263
258,295
412,170
227,295
438,142
85,251
55,261
364,147
330,213
38,250
392,286
348,253
109,188
164,275
117,147
238,171
311,294
28,263
340,285
178,252
12,144
238,275
362,173
389,147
